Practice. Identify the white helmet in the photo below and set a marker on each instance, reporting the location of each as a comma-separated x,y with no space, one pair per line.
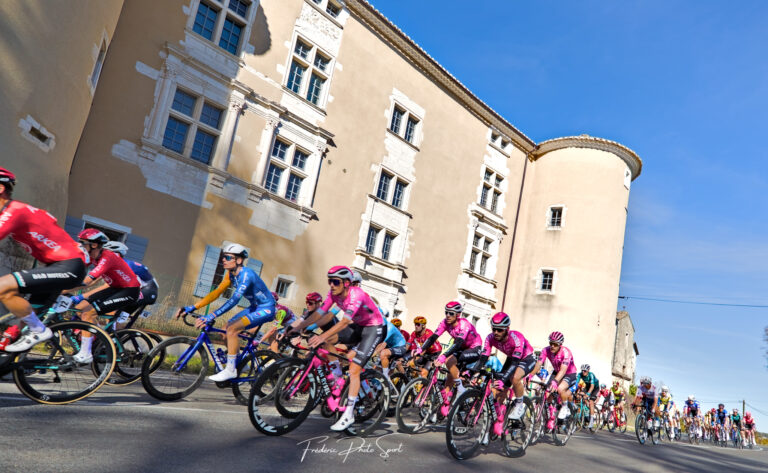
691,397
116,247
664,389
356,277
235,249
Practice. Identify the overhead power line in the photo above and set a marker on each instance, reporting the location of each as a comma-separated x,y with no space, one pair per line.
678,301
756,409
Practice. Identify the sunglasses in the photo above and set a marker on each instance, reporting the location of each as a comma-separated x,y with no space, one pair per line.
451,313
334,282
311,302
554,345
499,330
418,325
228,257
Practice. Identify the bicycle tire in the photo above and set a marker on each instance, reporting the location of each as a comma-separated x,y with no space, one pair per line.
399,381
163,380
641,430
460,421
656,434
132,346
372,406
514,446
263,410
412,419
55,358
563,430
250,367
538,427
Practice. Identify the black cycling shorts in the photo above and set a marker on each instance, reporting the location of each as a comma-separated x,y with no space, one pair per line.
45,283
595,391
114,298
363,340
148,297
569,378
397,352
526,364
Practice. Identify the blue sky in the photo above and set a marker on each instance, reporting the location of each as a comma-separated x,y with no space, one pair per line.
685,85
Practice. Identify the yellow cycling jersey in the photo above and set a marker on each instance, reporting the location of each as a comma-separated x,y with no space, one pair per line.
665,400
617,393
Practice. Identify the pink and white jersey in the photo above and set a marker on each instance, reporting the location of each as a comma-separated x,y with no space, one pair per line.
464,329
646,392
357,306
563,357
515,345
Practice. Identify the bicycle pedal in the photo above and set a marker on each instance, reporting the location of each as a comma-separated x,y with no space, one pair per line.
223,384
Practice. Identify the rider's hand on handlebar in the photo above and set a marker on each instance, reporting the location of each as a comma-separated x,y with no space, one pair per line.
316,341
204,320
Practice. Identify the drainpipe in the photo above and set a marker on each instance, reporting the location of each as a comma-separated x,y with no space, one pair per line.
514,230
317,179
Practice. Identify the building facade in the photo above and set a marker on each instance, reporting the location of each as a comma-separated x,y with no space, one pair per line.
317,133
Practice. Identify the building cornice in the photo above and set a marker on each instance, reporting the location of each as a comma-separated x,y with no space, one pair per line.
633,161
366,13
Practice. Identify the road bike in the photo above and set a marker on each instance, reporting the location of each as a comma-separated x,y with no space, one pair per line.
647,424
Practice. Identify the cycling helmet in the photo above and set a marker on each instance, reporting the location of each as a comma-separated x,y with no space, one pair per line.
645,380
691,397
341,272
92,235
420,320
721,406
603,386
7,177
116,247
314,297
615,384
747,415
735,411
664,389
275,296
356,277
500,320
397,322
454,306
235,249
556,337
585,367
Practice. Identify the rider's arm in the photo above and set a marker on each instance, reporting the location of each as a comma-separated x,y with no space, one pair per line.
431,340
213,295
341,325
236,296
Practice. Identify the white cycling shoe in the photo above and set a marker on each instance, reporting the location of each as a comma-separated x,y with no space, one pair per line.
344,421
517,411
28,340
83,358
223,375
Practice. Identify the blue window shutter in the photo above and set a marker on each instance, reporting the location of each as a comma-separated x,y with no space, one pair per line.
256,266
137,246
73,226
207,271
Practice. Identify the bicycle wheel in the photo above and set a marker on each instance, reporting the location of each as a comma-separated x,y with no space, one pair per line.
611,422
282,397
538,420
468,421
6,321
641,428
372,403
165,378
249,368
415,406
519,432
624,422
132,347
48,374
563,430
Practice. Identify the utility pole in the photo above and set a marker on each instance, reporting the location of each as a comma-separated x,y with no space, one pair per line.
743,406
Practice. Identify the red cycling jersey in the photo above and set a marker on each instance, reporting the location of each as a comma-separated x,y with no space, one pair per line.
114,270
37,232
414,341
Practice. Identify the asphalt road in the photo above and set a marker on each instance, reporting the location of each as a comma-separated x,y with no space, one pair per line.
122,429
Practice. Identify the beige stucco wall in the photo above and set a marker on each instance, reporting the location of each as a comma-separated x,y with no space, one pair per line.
48,78
586,253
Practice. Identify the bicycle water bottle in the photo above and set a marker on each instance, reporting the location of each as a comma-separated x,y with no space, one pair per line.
222,356
9,336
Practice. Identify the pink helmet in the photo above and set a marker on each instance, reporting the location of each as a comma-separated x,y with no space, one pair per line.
500,320
454,306
93,236
341,272
314,297
556,337
275,296
7,177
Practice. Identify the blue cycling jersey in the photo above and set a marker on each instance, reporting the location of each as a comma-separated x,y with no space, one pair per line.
141,271
247,284
394,337
721,415
692,404
494,363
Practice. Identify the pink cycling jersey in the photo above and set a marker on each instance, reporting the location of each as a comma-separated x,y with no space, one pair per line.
515,346
357,306
114,271
463,329
37,232
564,356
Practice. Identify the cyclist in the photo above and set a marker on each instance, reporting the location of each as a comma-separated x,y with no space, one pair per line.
149,287
37,232
603,398
361,329
665,405
721,421
691,411
393,347
619,395
419,336
647,397
283,317
246,285
123,291
398,324
520,362
591,389
465,349
563,375
749,429
737,423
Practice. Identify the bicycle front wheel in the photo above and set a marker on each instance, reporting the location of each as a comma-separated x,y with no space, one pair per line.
132,347
563,430
48,374
641,429
415,406
468,422
372,403
249,368
174,369
519,432
282,397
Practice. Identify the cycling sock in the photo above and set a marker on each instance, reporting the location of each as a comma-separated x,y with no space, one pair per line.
386,372
351,401
231,362
34,323
85,345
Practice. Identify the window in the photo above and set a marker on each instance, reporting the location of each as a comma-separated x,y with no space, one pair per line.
282,287
99,63
286,159
480,254
222,22
555,219
547,280
491,190
330,6
397,200
193,127
383,190
309,72
400,116
387,246
370,241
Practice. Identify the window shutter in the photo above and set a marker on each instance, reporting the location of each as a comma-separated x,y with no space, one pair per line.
73,226
137,246
207,271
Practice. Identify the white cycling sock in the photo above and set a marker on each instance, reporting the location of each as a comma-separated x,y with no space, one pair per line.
231,362
386,372
34,323
85,344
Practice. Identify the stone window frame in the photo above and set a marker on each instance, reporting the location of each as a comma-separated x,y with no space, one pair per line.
407,116
310,69
481,251
331,7
306,174
491,186
223,5
563,211
99,54
540,280
390,197
194,123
